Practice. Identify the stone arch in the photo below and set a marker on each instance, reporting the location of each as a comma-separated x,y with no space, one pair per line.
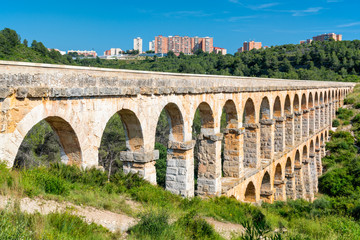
287,105
266,129
316,98
250,193
289,175
232,164
265,189
279,138
265,109
277,107
299,185
251,136
67,138
133,130
249,115
325,97
321,98
176,122
305,117
321,111
296,103
278,183
207,117
326,109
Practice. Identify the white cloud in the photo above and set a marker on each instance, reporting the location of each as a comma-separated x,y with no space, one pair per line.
349,25
300,13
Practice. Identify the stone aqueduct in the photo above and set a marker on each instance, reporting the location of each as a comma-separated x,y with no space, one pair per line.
274,139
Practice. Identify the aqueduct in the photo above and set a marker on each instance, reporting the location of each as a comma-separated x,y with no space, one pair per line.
274,139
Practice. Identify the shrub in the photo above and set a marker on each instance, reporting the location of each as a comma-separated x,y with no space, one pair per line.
151,224
335,123
336,182
345,114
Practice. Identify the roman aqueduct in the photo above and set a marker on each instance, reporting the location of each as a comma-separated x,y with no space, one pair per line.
273,143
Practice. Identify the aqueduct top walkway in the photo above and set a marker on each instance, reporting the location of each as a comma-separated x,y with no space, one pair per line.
273,143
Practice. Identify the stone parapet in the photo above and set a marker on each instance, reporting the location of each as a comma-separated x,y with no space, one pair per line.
185,146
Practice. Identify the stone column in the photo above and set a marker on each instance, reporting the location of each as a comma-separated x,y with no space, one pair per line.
326,114
267,195
317,118
289,134
318,162
312,121
251,145
330,114
209,175
297,127
290,186
334,110
309,192
305,124
322,116
299,182
180,168
267,138
279,186
279,141
142,163
313,172
233,152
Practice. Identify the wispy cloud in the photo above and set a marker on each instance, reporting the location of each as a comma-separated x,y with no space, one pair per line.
181,14
255,7
349,25
305,12
238,18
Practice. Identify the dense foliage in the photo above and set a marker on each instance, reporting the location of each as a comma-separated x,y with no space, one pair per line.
331,61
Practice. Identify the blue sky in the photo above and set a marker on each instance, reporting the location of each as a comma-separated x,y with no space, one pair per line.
101,25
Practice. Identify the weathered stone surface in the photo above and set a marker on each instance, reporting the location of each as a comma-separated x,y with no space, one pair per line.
78,102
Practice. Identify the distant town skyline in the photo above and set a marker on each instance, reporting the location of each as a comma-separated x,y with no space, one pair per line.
91,26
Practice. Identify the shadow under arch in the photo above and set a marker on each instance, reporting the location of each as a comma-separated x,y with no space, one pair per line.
289,124
279,138
278,183
290,184
266,123
265,189
65,136
250,193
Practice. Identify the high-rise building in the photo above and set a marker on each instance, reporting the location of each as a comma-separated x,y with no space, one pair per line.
248,46
138,44
152,45
113,52
186,45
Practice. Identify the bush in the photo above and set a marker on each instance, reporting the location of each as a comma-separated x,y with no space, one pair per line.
336,182
335,123
151,224
345,114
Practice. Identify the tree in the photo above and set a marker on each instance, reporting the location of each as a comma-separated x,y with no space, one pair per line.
25,42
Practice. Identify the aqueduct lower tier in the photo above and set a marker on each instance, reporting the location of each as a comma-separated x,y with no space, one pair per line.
273,143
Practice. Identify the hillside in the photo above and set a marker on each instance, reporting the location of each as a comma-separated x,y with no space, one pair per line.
331,61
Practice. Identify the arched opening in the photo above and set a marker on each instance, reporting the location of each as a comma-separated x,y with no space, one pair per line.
317,112
231,155
297,119
289,124
250,193
278,183
290,189
251,135
305,117
170,127
298,176
207,159
265,189
311,115
317,155
279,140
122,133
51,140
266,125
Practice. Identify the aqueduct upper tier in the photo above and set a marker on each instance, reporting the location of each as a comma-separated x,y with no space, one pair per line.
273,142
